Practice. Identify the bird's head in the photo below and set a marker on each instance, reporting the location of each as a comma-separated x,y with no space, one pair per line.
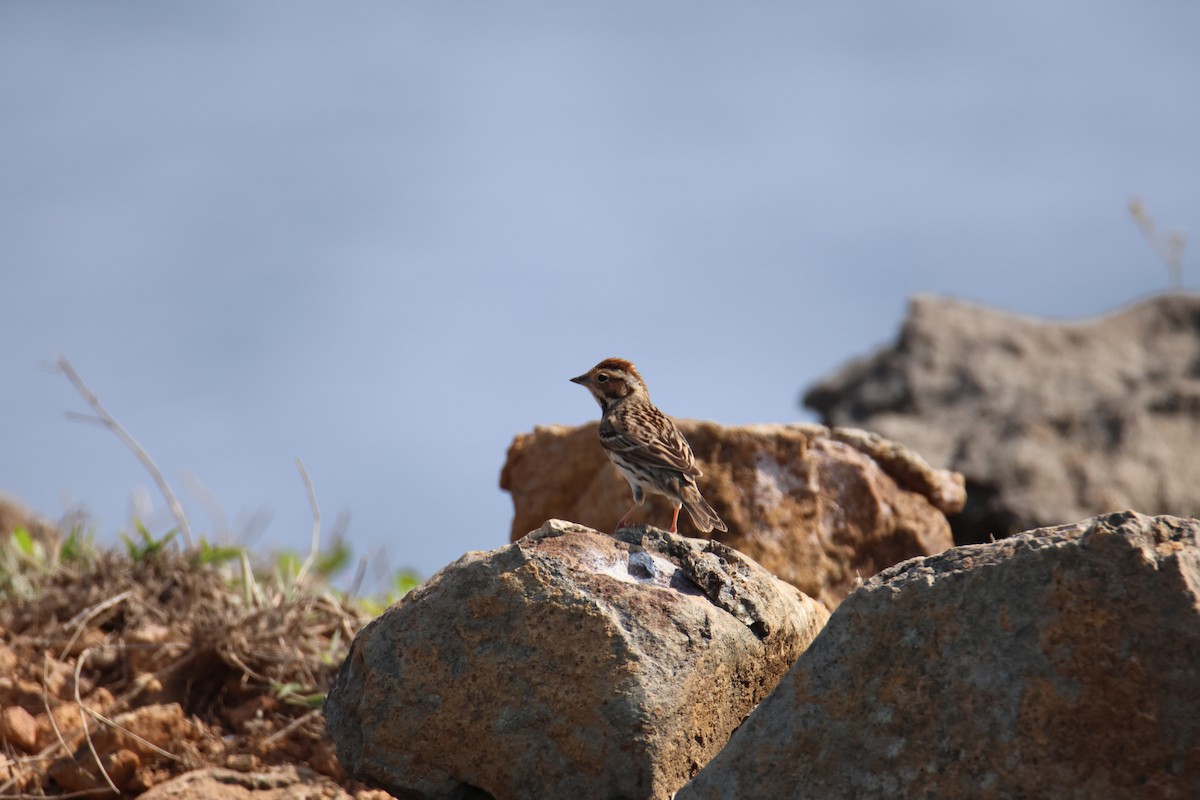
612,380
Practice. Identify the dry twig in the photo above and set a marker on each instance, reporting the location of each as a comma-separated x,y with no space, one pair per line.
87,733
88,614
291,726
316,532
1167,245
107,420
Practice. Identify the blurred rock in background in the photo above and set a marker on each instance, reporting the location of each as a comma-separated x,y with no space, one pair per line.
1048,421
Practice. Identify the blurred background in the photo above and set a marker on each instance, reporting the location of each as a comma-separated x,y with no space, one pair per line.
381,237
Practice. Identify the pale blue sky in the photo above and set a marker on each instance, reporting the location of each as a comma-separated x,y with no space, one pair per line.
381,236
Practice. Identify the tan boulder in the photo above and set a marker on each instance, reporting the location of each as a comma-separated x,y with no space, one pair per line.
280,783
818,507
1062,662
570,664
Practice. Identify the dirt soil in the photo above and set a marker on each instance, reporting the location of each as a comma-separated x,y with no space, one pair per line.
123,675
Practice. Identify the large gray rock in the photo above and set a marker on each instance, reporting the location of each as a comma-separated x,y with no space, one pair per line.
1057,663
569,664
1049,421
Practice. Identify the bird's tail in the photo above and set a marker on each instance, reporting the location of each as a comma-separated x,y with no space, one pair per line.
701,512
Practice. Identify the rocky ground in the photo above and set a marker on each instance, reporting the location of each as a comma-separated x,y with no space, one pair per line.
120,674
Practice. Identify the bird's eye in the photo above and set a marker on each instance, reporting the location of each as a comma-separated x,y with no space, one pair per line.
601,378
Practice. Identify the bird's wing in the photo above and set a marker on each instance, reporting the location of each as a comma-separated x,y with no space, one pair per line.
646,436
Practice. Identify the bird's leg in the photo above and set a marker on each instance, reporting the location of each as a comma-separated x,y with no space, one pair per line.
625,519
675,520
639,497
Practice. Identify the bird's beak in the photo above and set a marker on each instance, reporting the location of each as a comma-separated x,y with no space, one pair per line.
580,379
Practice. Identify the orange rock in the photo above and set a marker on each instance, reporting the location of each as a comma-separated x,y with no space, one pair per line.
162,725
66,717
18,727
122,766
819,507
100,699
84,775
59,680
126,749
324,760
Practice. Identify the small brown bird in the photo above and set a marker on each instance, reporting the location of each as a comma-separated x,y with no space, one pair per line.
646,447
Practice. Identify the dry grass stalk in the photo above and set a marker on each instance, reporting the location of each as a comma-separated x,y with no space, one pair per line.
107,420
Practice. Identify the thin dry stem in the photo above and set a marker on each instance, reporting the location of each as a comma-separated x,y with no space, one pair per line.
49,713
1167,245
240,664
116,725
316,532
356,584
291,726
207,498
85,616
127,439
250,591
83,723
